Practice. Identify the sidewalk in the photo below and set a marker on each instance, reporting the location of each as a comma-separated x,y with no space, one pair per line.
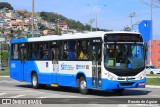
152,86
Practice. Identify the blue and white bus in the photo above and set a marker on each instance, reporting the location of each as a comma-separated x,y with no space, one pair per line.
94,60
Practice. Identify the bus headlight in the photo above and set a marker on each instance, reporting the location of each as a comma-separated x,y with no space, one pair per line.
141,76
110,77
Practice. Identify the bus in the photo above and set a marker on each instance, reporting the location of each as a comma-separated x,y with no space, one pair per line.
95,60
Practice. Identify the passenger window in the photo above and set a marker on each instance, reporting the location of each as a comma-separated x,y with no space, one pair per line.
35,51
15,51
44,51
82,50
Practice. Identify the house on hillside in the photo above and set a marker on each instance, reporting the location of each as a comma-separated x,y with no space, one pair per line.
19,25
48,32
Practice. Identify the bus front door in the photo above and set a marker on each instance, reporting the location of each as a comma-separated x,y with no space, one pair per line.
54,56
96,66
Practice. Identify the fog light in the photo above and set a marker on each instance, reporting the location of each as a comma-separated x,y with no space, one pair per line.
141,84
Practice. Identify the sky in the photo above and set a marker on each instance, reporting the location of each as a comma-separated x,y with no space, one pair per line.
111,14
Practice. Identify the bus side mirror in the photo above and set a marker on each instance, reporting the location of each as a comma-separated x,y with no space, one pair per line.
146,47
105,50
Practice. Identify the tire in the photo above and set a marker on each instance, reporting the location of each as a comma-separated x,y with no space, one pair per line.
118,91
151,72
35,83
82,85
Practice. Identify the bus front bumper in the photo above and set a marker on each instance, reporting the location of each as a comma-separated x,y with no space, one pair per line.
109,84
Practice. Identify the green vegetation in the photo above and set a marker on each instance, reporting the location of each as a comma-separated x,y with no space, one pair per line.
153,81
52,17
5,5
5,73
152,74
4,56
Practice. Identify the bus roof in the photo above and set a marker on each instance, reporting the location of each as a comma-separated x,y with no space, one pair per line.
68,36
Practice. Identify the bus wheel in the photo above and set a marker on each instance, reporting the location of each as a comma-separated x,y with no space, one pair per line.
35,83
118,91
83,85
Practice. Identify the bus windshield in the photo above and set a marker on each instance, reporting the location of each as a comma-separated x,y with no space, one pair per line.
124,56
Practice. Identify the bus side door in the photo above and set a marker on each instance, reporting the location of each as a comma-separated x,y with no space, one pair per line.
96,65
54,57
22,59
17,61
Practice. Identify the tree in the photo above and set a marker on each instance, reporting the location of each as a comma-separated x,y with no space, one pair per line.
5,5
41,26
126,29
4,56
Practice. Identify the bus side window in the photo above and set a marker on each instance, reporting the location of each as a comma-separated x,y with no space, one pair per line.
71,50
35,50
65,51
15,51
82,49
44,50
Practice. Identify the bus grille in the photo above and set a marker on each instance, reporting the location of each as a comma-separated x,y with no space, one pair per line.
126,83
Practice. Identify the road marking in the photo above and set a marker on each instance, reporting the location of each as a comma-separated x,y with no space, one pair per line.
122,105
6,81
156,95
42,97
17,96
3,93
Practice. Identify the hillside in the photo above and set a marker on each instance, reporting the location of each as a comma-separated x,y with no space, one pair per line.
77,25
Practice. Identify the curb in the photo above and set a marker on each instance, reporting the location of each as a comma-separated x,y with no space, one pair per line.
152,86
4,76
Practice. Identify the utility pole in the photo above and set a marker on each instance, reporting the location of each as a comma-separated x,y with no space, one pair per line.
32,18
91,21
151,4
58,20
131,16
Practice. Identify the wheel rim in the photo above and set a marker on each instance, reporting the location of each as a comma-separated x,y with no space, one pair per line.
34,80
83,85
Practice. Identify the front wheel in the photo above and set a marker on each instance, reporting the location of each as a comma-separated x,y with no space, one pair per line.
35,83
83,85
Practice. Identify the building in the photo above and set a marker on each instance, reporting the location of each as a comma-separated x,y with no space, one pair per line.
48,32
155,52
143,27
63,26
2,23
19,25
12,15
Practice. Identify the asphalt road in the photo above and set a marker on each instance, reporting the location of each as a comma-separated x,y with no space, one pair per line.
13,89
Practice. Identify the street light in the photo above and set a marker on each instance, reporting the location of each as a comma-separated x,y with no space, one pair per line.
131,16
91,21
96,8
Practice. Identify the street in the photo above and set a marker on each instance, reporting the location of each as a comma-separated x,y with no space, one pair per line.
13,89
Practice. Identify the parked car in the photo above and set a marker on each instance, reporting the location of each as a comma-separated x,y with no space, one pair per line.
152,70
2,68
